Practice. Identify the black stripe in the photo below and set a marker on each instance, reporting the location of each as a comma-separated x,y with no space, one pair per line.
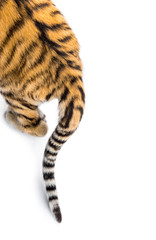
68,114
48,152
61,53
48,176
50,95
61,125
58,140
68,28
71,52
80,109
42,26
35,124
28,105
64,95
72,65
15,27
48,165
8,61
41,6
63,134
29,11
51,188
57,26
65,39
73,80
21,115
18,2
56,148
52,198
58,71
8,94
77,67
12,105
54,59
55,13
82,93
80,79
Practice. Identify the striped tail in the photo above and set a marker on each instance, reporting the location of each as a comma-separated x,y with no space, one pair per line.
71,110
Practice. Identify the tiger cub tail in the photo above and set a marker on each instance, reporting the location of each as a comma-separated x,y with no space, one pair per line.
71,106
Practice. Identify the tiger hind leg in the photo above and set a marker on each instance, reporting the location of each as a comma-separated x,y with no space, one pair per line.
27,121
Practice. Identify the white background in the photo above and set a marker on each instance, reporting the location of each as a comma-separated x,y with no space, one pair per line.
106,172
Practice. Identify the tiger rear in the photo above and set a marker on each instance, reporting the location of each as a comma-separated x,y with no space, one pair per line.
39,61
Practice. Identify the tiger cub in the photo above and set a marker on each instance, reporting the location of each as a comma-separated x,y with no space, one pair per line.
39,61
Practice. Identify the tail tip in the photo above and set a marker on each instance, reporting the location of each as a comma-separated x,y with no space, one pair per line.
57,213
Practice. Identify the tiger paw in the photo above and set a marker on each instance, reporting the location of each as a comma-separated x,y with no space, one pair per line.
39,129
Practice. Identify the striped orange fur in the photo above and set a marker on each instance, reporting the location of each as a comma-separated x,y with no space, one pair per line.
39,61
